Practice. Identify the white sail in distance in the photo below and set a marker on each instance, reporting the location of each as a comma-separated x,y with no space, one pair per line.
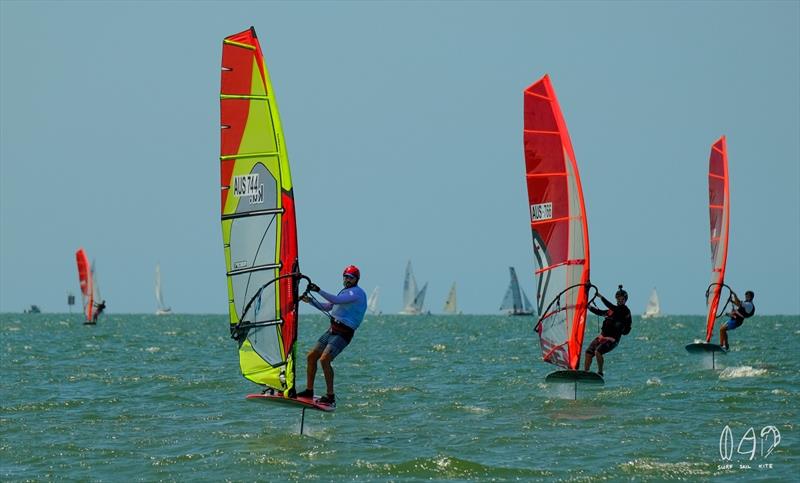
161,308
413,300
372,301
653,308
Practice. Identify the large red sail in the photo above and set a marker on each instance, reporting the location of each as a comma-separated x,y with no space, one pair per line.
85,279
558,225
719,215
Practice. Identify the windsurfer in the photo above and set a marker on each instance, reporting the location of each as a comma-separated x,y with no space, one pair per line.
616,324
741,311
347,310
99,310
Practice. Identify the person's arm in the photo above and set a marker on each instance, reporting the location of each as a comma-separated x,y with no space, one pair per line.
597,311
344,297
316,303
607,303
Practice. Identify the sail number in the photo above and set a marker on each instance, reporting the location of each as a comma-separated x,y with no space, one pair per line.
543,211
249,185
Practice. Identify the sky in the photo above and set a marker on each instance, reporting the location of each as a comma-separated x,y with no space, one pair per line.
403,122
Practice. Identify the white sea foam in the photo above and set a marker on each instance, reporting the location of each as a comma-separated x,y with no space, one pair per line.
153,349
741,371
654,381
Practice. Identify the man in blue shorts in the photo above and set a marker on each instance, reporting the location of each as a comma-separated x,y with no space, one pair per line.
741,311
616,324
347,310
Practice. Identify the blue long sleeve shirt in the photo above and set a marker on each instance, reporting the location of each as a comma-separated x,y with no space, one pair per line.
348,307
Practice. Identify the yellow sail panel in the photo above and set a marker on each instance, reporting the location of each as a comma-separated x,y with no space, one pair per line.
257,215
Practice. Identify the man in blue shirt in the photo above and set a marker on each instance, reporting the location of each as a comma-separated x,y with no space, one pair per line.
347,310
741,311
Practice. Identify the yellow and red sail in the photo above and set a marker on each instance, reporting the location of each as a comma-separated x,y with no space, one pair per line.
719,216
558,225
258,217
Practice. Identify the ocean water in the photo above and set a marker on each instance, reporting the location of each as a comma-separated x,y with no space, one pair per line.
453,398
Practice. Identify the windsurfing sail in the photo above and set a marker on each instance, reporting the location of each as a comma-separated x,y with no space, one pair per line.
372,301
161,308
558,225
719,215
259,232
515,302
451,305
653,308
87,287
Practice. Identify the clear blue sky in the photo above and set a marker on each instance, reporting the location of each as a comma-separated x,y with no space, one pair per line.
403,123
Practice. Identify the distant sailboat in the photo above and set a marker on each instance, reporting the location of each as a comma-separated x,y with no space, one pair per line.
372,302
653,308
413,300
161,309
515,300
450,305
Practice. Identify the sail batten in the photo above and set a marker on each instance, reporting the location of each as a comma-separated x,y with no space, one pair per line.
558,227
259,233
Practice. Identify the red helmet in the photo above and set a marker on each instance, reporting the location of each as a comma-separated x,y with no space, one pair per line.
353,271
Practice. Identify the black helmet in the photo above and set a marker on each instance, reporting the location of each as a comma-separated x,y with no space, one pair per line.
621,293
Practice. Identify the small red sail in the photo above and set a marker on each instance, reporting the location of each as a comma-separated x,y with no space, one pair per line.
719,214
85,279
558,225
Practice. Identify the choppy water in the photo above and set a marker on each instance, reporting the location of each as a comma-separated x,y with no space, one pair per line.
140,397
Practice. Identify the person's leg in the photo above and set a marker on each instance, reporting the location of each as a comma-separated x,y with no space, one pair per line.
723,335
600,363
587,361
590,352
327,369
311,368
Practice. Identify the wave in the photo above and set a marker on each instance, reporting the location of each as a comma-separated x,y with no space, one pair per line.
741,371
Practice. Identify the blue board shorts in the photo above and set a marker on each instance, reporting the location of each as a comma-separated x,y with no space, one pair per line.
733,324
606,346
331,343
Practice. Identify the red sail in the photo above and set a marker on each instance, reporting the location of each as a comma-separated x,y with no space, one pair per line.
719,214
558,225
85,279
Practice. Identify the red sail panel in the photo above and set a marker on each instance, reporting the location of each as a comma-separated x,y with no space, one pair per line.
719,215
85,279
558,225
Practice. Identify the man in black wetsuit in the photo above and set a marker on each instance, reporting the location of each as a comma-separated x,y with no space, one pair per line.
98,310
616,324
